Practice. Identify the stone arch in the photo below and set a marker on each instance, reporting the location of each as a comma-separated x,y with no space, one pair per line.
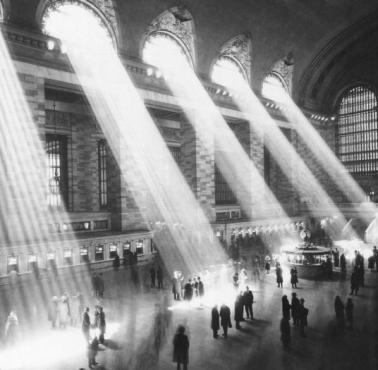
178,23
104,9
239,49
283,70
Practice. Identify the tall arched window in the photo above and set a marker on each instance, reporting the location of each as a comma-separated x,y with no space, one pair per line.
228,72
161,48
273,87
85,21
357,130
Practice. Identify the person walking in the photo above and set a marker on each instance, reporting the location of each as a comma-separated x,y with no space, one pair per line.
279,275
349,312
225,315
339,311
303,313
215,321
285,308
248,302
181,348
343,264
295,309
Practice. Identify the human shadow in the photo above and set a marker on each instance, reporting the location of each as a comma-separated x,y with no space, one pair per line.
111,344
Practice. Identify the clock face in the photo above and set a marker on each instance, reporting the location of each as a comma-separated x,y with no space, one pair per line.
305,234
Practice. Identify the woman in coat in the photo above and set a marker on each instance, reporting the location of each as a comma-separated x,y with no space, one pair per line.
225,315
215,321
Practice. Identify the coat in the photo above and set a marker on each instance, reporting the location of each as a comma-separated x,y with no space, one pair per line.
238,315
215,319
180,348
285,331
295,308
248,298
279,275
225,315
286,309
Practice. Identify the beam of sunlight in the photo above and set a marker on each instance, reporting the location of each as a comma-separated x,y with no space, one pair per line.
143,157
242,175
25,215
327,159
285,155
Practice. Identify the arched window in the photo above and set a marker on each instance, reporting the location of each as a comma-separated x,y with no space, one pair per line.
85,21
162,48
357,129
228,72
273,87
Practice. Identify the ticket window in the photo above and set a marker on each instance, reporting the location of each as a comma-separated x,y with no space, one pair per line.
112,251
99,252
84,255
12,264
67,257
126,249
32,263
139,247
51,262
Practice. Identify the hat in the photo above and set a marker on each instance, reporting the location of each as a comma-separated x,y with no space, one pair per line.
302,300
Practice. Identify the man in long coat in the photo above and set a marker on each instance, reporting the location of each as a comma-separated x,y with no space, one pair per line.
225,315
181,348
238,314
215,321
295,309
248,302
86,324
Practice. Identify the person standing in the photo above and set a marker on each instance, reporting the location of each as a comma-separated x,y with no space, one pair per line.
225,315
92,352
86,324
215,321
303,313
354,282
101,324
248,302
339,311
11,328
285,308
279,275
101,286
116,261
285,333
294,277
181,348
238,313
295,309
201,289
152,276
343,264
159,276
188,291
349,312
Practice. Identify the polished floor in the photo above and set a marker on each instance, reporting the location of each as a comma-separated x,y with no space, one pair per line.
142,322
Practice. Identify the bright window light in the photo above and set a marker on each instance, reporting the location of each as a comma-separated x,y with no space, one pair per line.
228,73
163,50
1,12
273,88
76,20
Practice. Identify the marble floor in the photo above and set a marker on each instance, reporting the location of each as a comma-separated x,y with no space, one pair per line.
142,322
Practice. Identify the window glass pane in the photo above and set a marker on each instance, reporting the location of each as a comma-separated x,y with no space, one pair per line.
102,173
357,130
223,192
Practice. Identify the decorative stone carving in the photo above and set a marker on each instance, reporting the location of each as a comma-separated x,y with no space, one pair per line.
284,69
239,48
178,22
